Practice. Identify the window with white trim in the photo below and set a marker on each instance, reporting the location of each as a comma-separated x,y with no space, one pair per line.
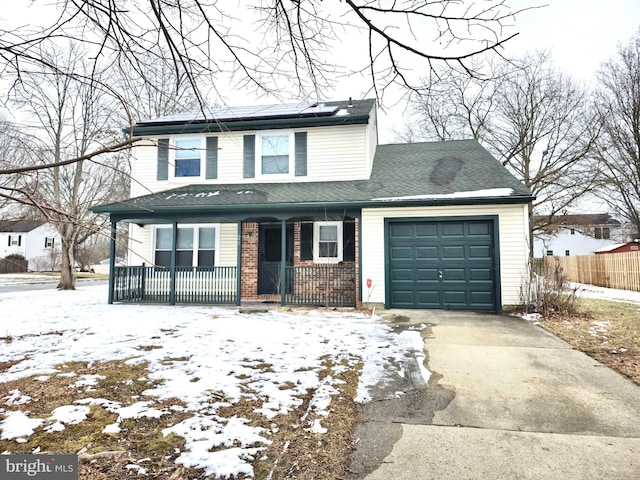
196,245
49,242
327,242
14,240
187,157
275,153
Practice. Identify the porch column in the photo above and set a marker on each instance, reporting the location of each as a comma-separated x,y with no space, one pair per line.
239,265
112,261
283,259
172,271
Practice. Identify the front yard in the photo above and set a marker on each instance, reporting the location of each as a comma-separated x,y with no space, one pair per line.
606,330
187,392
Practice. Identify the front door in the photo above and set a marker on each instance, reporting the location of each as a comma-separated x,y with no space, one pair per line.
270,254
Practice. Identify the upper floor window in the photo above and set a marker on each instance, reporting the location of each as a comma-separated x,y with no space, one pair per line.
188,157
601,233
196,245
274,153
549,253
15,240
49,242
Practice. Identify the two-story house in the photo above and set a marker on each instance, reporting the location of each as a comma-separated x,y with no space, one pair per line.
577,234
298,204
36,240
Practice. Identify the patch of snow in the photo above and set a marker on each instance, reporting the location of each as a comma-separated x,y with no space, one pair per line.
492,192
16,398
17,425
274,358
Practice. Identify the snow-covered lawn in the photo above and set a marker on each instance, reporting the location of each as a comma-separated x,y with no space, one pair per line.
192,352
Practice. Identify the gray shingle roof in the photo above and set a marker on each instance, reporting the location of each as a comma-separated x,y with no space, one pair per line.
455,172
19,226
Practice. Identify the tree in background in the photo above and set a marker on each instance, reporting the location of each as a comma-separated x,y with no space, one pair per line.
533,118
618,146
67,120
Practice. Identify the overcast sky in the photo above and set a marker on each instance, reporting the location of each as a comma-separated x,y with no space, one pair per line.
581,34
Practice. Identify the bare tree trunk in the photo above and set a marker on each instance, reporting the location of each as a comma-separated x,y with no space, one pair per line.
67,265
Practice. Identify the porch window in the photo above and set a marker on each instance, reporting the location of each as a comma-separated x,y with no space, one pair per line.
195,246
188,157
327,245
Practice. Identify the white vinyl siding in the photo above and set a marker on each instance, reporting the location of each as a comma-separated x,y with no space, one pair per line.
513,226
333,153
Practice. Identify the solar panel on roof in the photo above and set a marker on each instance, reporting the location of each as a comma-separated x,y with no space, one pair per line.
251,113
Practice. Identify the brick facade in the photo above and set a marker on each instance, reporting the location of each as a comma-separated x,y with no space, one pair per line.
249,268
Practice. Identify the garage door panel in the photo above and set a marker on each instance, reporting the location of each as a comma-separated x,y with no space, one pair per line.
402,274
427,253
453,252
427,274
425,230
401,230
442,264
479,228
480,251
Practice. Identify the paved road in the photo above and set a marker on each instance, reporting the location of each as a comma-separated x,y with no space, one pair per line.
506,400
23,287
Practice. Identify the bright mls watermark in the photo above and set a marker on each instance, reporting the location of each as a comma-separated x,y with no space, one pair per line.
43,467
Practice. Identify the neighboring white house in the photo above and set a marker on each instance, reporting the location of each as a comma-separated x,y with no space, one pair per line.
299,204
577,234
35,240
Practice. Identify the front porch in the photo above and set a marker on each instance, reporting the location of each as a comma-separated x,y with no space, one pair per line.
275,263
320,285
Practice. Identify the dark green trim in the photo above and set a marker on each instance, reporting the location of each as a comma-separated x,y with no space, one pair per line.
283,260
269,124
495,219
301,154
239,263
211,168
112,261
162,172
249,156
172,273
129,210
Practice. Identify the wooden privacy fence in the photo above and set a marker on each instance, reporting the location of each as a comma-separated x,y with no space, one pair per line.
613,270
13,266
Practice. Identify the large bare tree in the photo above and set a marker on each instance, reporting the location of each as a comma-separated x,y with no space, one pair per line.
618,153
68,120
531,116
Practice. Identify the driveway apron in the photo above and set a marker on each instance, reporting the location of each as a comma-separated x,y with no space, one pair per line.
506,400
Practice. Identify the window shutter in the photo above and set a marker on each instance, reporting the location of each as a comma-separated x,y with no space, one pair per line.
301,154
45,242
19,240
249,156
212,158
306,241
349,241
9,240
163,159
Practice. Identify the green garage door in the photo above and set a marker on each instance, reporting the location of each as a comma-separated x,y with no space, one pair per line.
442,264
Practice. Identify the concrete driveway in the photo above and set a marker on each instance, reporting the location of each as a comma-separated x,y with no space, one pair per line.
506,400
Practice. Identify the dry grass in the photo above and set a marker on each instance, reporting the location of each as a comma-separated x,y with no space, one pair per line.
605,330
295,451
